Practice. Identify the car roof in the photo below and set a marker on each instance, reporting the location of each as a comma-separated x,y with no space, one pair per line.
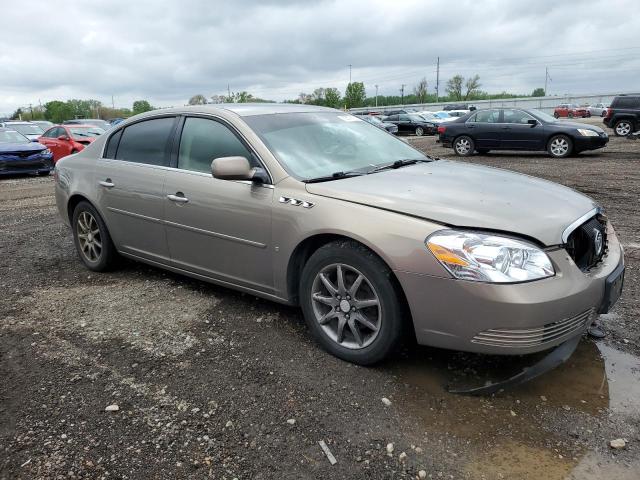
76,125
18,122
250,109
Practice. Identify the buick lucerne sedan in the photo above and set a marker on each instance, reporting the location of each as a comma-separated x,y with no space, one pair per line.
313,207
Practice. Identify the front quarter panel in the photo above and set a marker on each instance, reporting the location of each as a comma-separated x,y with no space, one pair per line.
74,176
398,239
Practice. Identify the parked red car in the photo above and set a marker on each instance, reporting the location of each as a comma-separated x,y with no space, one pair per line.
64,140
571,110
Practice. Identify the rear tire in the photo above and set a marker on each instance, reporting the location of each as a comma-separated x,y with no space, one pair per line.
623,128
604,113
464,146
588,115
92,240
350,302
556,114
419,131
560,146
570,115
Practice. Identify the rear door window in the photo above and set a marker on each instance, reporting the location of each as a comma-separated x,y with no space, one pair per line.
627,102
146,142
486,116
112,145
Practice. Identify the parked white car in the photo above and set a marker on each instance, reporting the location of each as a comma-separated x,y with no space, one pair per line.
458,113
599,109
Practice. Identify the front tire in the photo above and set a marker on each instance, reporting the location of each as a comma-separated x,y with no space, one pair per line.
560,146
419,131
350,303
570,115
464,146
91,238
556,114
623,128
588,114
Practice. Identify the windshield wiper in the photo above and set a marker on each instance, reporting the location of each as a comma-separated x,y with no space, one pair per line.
333,176
397,164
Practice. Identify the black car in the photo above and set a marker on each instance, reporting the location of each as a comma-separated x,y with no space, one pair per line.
389,127
623,115
398,111
412,123
519,129
458,106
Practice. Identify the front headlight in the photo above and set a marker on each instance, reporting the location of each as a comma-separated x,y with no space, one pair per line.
489,258
46,151
587,133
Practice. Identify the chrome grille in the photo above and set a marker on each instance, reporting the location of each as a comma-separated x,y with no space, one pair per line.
502,337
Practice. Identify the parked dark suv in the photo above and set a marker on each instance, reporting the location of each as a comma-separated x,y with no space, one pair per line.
624,115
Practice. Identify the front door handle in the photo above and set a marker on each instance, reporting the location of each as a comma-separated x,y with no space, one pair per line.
178,197
107,183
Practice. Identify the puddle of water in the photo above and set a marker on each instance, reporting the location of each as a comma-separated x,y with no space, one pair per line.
501,445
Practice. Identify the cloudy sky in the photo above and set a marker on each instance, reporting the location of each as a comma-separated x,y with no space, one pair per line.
165,51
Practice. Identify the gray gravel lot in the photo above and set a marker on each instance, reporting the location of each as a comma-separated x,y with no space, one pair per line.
211,383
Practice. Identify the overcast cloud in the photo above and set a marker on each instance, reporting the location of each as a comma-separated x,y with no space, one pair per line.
166,51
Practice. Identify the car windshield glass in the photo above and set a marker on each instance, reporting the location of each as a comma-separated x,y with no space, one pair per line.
310,145
86,131
442,115
13,137
545,117
27,128
416,118
374,120
428,115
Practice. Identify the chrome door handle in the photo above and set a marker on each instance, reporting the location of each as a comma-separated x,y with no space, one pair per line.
107,183
178,197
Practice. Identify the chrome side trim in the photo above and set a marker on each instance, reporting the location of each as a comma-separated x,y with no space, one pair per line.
296,202
567,231
215,234
187,227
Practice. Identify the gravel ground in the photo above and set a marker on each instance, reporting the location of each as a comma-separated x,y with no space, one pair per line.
211,383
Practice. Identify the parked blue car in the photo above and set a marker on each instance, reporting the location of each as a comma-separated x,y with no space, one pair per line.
20,155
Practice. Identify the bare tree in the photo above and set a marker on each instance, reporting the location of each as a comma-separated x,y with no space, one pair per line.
454,87
472,86
420,90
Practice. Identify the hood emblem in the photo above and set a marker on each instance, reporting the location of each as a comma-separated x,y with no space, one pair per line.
296,202
597,241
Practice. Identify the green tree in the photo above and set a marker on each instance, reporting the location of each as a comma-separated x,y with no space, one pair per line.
454,87
141,106
198,99
538,92
420,91
57,111
332,97
355,95
473,87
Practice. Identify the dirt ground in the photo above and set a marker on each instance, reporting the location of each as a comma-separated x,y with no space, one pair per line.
211,383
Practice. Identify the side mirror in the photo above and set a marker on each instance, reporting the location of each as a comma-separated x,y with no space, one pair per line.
237,168
63,137
532,122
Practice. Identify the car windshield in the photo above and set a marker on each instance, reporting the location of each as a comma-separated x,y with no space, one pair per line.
86,131
371,119
545,117
27,128
442,115
427,115
13,137
311,145
416,117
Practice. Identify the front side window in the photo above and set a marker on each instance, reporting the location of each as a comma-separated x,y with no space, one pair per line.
486,116
516,116
146,141
204,140
310,145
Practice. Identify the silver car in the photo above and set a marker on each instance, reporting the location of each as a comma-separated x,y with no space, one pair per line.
314,207
598,109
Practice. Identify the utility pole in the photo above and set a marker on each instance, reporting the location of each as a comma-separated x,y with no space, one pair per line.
228,93
349,72
402,94
31,108
546,77
437,79
113,103
376,95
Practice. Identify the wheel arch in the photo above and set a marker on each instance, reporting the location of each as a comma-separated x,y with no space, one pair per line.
303,251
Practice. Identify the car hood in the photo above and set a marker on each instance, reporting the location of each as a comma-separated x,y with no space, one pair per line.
21,147
464,195
584,126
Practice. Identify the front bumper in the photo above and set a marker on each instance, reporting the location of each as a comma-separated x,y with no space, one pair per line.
590,143
510,319
16,166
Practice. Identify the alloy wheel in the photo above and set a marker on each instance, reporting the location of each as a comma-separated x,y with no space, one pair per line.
559,147
623,129
419,131
89,237
346,306
463,146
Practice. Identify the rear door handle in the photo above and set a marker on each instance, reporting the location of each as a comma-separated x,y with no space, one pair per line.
178,197
107,183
